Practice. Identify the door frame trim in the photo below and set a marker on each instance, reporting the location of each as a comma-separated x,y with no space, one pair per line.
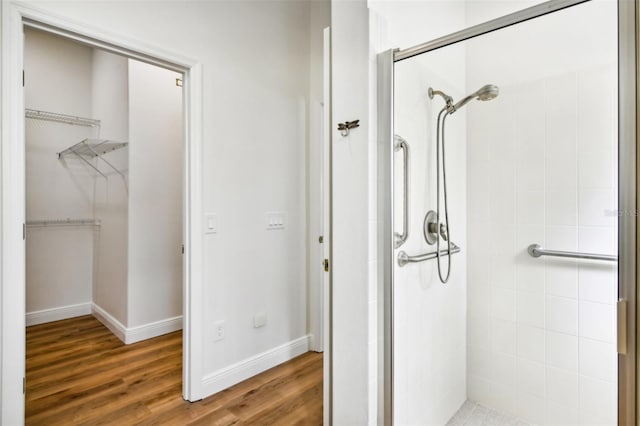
16,15
327,221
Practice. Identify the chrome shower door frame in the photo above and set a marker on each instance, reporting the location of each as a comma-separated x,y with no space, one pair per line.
386,235
628,95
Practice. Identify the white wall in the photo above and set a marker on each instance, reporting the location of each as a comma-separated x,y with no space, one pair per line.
256,85
59,259
155,194
138,278
430,337
111,201
354,226
408,23
542,168
254,57
479,11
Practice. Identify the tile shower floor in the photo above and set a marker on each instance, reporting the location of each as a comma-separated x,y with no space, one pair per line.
473,414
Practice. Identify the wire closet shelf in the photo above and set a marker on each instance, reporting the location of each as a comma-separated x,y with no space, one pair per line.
92,148
88,148
62,222
61,118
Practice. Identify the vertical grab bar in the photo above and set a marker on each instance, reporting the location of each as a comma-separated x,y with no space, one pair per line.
401,144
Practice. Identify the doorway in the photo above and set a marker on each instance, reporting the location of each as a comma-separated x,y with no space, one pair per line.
104,215
15,18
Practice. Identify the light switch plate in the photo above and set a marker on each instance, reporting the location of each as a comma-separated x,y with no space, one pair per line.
276,220
210,223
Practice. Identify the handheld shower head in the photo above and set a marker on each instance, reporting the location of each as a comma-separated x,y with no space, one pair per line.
488,92
485,93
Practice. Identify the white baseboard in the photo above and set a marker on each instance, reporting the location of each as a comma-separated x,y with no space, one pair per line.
314,344
235,373
110,322
153,329
140,332
57,314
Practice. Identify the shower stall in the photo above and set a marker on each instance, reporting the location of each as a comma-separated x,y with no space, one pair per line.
507,226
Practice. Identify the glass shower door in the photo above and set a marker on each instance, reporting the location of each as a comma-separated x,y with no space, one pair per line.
516,335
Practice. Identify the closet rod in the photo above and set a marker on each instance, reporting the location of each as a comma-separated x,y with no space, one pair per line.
61,118
62,222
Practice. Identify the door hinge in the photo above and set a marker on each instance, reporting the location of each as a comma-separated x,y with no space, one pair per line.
22,78
183,249
326,265
622,326
179,82
24,232
24,385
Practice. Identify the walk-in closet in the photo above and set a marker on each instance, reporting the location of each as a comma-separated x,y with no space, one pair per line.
104,183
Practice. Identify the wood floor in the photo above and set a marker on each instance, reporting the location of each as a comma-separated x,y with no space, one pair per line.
80,373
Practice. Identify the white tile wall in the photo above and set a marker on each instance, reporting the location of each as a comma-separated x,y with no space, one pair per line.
530,308
562,315
531,408
562,387
531,377
562,279
562,351
597,404
598,283
430,317
541,332
530,343
559,414
502,337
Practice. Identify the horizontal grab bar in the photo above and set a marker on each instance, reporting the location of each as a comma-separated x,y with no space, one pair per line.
536,250
404,258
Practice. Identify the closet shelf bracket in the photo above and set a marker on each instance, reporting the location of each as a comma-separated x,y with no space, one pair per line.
94,148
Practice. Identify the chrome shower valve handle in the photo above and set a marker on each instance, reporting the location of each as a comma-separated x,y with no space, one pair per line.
443,232
431,229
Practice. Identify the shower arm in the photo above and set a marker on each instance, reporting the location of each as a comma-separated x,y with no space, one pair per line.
447,99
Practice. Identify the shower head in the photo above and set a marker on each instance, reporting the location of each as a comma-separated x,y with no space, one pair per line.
485,93
488,92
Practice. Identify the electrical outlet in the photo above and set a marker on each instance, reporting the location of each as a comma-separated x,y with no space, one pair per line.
218,330
259,320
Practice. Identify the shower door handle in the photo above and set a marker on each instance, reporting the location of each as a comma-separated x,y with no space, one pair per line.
401,144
